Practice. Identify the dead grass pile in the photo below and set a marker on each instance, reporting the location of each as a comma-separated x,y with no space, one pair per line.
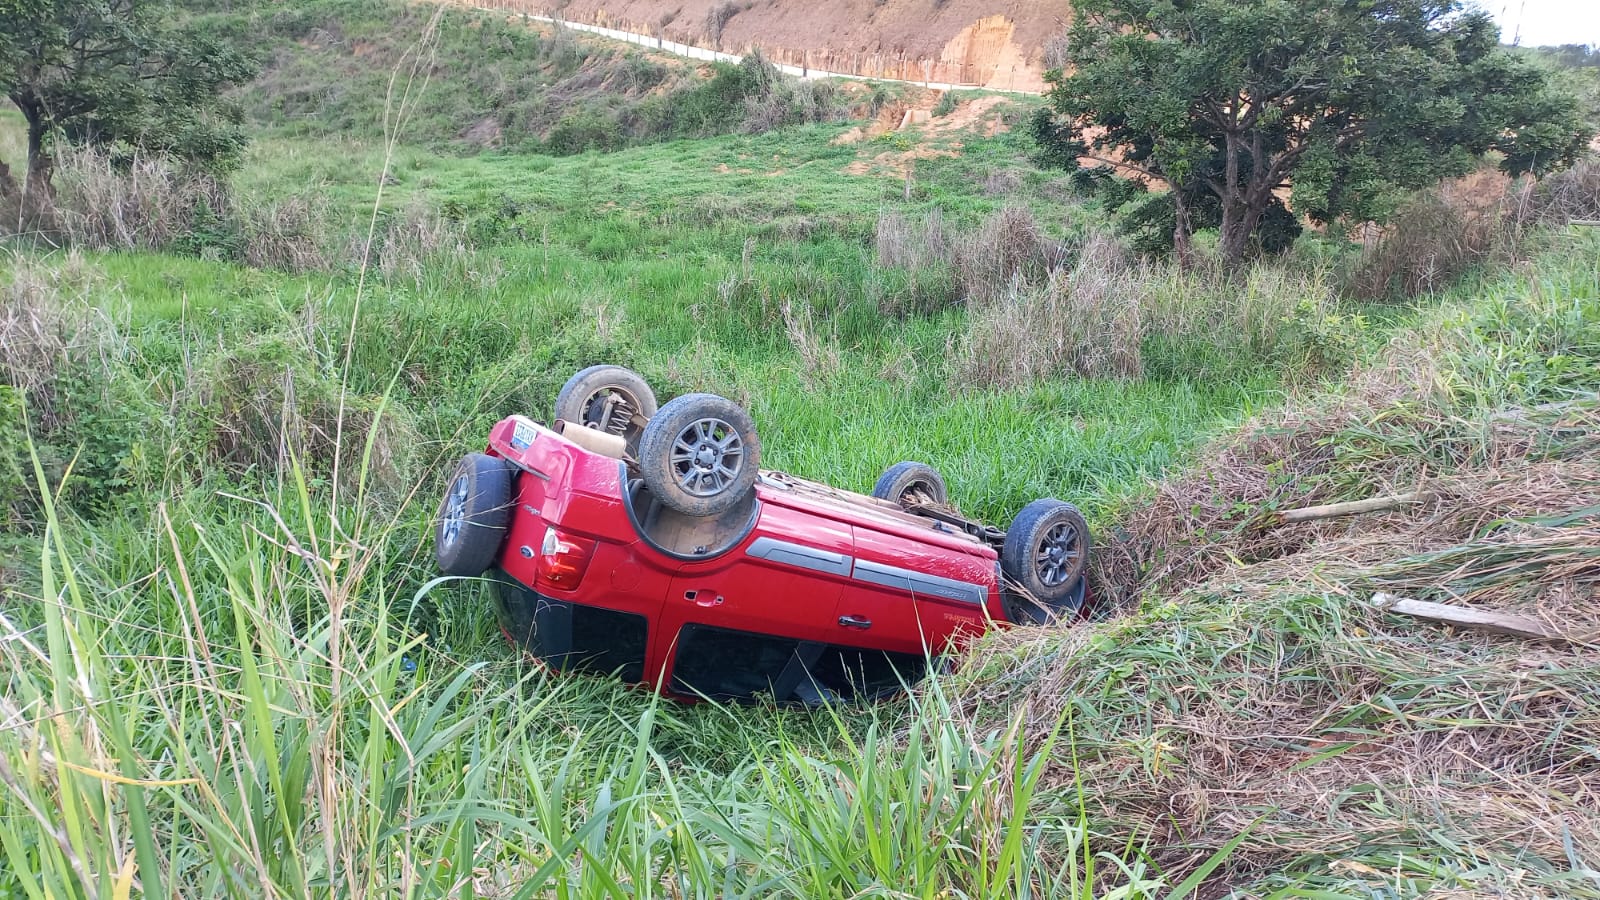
1259,691
1383,441
1570,194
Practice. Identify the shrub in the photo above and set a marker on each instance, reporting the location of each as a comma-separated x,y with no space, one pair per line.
1442,232
1009,246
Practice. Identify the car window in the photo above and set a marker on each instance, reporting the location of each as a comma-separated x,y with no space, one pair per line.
724,664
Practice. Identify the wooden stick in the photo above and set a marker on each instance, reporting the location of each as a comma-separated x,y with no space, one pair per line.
1477,619
1590,223
1330,510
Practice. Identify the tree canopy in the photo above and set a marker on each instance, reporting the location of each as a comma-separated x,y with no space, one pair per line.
117,72
1229,105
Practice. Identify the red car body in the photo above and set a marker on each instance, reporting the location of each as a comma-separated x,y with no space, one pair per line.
824,593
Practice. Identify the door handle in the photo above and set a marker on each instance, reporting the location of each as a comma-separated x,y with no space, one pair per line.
855,622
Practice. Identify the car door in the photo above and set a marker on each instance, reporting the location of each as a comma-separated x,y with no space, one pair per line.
910,596
749,611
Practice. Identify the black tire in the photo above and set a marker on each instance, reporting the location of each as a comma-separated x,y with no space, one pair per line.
585,396
1043,559
474,515
700,454
910,484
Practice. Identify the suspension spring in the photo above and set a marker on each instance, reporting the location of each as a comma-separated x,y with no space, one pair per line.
619,414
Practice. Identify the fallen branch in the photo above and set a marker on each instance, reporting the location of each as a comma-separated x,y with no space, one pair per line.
1331,510
1591,223
1476,619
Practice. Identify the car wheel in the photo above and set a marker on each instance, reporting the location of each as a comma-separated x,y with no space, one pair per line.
1043,558
474,515
608,398
911,484
699,454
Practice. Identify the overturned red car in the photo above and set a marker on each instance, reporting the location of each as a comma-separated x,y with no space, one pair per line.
647,543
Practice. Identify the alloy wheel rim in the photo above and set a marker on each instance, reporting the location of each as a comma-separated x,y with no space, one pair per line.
1057,555
455,511
707,457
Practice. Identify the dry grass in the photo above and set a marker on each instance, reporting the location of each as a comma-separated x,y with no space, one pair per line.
152,204
1096,316
1258,689
48,330
1009,247
912,244
820,358
1481,219
1570,194
146,204
1087,320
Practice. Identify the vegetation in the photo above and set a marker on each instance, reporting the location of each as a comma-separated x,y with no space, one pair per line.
227,403
493,83
1226,104
121,73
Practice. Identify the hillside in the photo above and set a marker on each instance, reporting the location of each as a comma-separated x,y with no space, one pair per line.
229,403
999,44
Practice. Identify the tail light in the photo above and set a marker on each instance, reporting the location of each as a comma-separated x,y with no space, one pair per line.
562,560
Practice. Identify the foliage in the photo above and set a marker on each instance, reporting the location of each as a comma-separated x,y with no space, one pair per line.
500,85
119,74
1226,104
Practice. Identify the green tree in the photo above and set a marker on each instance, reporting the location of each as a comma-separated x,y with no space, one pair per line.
116,72
1227,103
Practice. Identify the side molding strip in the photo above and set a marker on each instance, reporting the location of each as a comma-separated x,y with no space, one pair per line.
918,582
800,556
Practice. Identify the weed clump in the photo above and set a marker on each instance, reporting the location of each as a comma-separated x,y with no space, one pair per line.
269,410
1085,320
61,391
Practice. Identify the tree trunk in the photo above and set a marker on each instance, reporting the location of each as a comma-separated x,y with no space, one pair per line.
1181,232
1234,237
1240,216
40,165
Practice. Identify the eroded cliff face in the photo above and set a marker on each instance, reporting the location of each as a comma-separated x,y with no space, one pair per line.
994,43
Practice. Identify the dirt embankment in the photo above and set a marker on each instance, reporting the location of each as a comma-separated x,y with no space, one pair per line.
998,44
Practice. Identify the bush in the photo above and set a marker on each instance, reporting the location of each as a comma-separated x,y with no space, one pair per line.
1086,320
1105,315
1441,233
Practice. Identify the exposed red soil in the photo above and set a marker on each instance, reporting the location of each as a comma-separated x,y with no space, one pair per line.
996,43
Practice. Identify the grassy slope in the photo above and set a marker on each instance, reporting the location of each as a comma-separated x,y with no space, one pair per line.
237,662
1257,690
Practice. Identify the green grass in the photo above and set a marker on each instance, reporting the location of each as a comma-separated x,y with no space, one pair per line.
230,671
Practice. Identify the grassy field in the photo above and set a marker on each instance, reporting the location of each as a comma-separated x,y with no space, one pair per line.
229,669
